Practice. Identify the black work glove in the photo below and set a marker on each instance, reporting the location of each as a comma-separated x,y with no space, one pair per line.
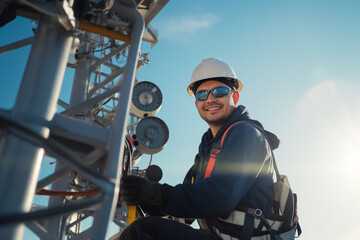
139,191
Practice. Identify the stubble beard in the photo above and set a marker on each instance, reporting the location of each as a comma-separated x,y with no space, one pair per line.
219,122
216,122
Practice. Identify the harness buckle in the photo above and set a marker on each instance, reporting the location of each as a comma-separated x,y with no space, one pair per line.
255,212
258,212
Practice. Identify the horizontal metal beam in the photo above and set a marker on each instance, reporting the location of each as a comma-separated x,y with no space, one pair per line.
104,32
16,45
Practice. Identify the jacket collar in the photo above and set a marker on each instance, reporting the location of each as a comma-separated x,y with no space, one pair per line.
241,113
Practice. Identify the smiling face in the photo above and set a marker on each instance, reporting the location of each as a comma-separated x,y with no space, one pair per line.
216,111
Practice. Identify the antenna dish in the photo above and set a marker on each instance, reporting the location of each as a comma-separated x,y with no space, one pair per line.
151,135
146,99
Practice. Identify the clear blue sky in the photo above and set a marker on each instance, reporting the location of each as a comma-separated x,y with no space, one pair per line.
299,62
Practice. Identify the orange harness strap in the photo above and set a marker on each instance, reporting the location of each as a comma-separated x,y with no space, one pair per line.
214,153
212,160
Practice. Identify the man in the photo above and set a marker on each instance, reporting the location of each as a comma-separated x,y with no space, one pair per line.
231,174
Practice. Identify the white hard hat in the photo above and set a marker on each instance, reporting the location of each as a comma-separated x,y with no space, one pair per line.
211,68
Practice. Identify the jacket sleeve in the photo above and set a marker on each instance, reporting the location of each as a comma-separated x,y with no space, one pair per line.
242,158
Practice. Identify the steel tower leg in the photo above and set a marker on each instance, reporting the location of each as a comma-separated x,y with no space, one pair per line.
82,76
37,99
105,214
55,225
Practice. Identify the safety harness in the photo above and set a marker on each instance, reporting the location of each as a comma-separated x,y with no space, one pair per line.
254,222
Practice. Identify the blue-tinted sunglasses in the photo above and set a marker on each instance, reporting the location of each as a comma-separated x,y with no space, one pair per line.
217,92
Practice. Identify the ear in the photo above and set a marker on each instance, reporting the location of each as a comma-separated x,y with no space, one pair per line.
236,96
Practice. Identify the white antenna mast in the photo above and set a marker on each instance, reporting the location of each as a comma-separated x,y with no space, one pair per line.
87,136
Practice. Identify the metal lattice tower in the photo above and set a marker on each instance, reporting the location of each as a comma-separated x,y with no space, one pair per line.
87,136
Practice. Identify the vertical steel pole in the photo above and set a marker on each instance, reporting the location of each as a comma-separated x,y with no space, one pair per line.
37,98
82,74
104,215
55,225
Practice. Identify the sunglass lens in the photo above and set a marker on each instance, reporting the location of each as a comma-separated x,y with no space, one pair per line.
201,95
220,91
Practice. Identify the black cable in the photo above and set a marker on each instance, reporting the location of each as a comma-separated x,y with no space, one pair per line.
129,157
93,51
56,148
23,217
51,145
100,50
59,151
108,100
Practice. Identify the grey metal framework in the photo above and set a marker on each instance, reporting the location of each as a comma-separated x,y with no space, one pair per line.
87,136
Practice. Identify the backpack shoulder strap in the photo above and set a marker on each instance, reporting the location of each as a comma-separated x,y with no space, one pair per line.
278,176
215,151
226,131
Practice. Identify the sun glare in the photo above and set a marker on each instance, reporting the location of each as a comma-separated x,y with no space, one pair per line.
331,110
327,156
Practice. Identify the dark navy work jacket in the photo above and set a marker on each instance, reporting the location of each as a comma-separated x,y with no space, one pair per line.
242,175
